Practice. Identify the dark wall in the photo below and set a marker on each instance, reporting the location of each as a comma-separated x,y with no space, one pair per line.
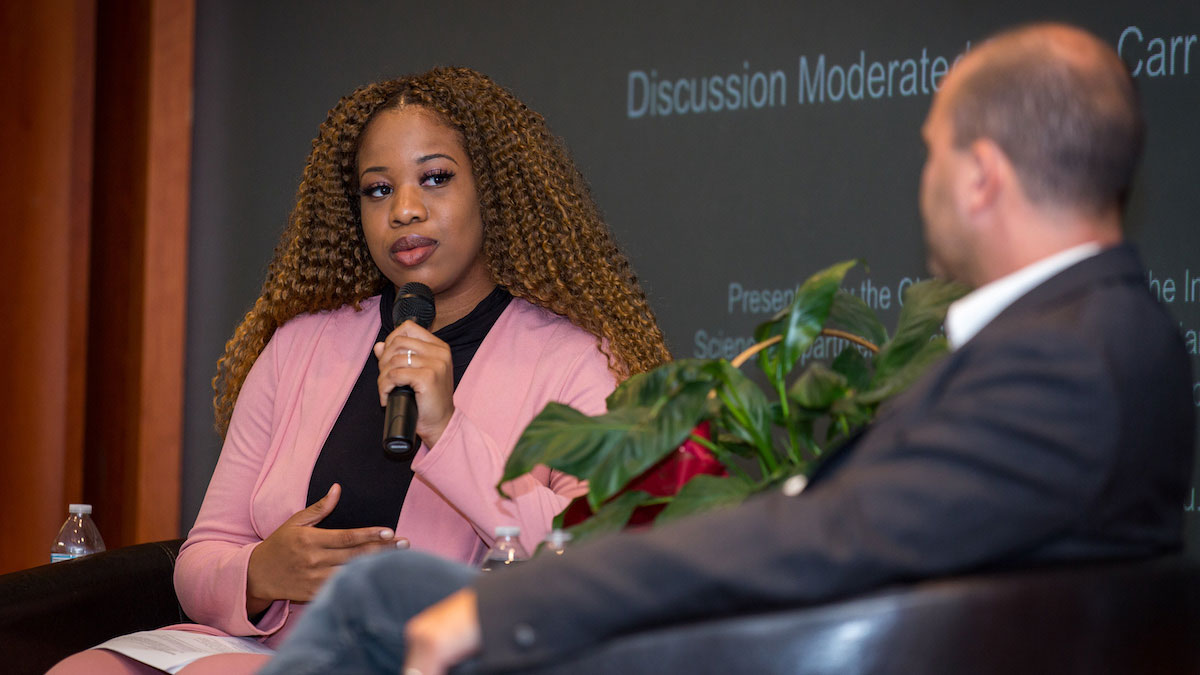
721,210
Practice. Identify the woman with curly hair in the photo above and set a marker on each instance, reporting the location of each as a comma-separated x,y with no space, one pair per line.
446,179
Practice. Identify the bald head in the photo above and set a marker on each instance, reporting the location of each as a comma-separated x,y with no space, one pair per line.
1061,105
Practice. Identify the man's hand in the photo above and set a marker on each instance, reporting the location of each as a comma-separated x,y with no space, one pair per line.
442,635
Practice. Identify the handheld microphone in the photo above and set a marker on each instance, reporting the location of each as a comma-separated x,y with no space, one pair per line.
414,301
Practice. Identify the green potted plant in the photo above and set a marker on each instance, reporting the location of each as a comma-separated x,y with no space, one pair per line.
756,438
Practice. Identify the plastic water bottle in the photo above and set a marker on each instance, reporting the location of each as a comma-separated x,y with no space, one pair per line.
78,536
556,541
507,550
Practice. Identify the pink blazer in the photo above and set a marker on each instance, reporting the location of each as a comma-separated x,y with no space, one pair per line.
290,401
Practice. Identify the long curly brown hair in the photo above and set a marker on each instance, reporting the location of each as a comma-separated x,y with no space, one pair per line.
544,238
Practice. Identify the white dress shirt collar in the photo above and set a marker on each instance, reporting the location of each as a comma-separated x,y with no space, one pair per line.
968,315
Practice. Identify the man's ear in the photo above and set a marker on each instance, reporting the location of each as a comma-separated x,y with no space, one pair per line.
986,176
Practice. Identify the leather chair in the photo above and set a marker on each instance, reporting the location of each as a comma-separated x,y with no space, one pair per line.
1117,617
1122,617
50,612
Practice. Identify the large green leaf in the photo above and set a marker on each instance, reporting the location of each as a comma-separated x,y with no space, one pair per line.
853,365
898,380
706,492
800,323
818,387
731,443
650,388
845,416
806,434
610,517
745,410
921,318
649,416
852,315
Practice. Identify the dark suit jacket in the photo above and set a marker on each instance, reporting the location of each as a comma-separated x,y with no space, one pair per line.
1062,431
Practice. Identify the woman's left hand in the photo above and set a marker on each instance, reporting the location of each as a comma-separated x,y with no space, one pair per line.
412,355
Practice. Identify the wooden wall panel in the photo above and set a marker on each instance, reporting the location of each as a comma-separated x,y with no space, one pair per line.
118,252
93,205
45,189
164,276
138,275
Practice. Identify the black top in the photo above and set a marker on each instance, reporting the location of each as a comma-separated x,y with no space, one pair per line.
373,483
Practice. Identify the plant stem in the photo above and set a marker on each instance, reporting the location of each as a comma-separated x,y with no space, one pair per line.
786,414
768,457
862,342
753,349
793,444
762,464
763,443
834,332
722,457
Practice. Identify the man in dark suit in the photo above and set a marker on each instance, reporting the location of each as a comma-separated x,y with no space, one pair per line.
1059,428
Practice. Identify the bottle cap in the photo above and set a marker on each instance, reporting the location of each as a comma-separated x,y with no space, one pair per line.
79,508
508,531
559,537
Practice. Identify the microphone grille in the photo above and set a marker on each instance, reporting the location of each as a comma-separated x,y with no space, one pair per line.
414,301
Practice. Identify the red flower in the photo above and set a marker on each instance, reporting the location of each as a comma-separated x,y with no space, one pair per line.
661,480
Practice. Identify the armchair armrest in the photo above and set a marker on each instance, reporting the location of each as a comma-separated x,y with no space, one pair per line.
52,611
1116,617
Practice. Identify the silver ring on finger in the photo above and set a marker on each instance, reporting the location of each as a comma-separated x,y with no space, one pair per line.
410,353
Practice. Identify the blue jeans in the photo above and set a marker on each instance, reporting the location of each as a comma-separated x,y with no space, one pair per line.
356,622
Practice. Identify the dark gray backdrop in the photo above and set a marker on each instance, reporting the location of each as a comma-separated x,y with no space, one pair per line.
709,206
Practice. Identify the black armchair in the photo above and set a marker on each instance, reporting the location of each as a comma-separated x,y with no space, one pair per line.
1118,617
50,612
1122,617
